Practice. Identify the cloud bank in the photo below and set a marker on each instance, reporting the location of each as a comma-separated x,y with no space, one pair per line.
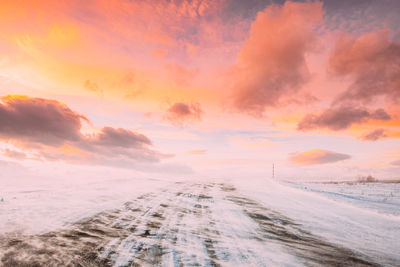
50,130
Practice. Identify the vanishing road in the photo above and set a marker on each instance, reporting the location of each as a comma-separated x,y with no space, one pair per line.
188,224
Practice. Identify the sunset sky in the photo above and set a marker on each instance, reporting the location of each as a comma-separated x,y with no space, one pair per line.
201,88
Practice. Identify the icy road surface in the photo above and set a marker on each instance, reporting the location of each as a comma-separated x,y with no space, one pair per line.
186,224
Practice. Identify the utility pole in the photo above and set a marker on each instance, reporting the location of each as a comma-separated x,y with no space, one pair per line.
273,171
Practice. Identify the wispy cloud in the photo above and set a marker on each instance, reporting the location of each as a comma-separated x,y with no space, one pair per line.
317,156
197,152
396,163
374,135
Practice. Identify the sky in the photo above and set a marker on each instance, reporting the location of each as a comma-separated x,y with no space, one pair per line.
200,88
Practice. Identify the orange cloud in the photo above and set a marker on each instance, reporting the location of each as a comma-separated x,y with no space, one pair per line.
101,41
14,154
271,64
107,49
71,150
317,156
92,86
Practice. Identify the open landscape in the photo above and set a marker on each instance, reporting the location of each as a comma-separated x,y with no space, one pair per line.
199,133
207,223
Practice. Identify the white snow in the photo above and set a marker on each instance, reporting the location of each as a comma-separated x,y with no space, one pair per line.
186,232
360,226
47,204
364,218
380,197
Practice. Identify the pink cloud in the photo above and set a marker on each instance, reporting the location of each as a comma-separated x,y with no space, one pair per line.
50,130
374,135
14,154
340,118
181,113
271,64
373,61
39,120
317,156
120,138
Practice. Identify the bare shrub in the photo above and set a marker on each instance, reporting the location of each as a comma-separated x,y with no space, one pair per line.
367,179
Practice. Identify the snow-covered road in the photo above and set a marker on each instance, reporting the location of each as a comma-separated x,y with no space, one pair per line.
186,224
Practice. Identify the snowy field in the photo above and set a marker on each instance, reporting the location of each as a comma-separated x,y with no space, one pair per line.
51,203
380,197
356,225
136,222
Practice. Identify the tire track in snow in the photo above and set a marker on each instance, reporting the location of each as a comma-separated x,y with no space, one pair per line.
313,250
188,225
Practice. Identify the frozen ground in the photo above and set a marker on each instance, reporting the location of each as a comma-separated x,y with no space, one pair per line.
359,227
45,204
131,222
380,197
